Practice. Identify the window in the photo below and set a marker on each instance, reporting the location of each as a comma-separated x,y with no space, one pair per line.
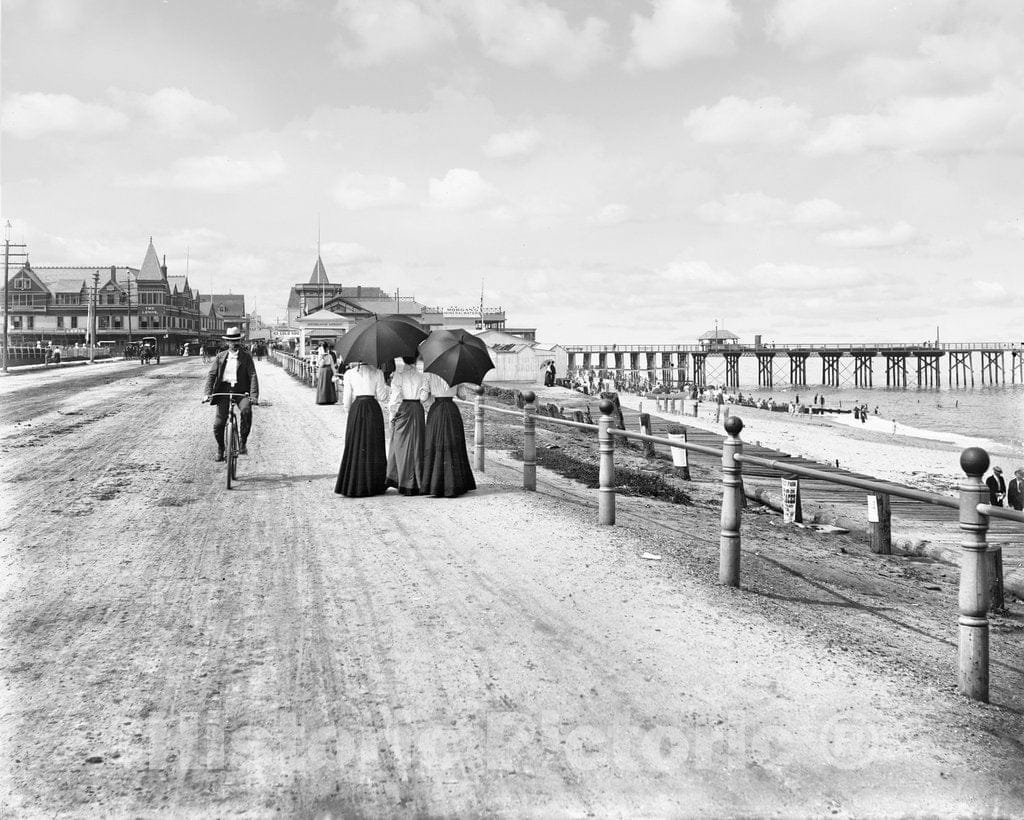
15,323
29,322
104,322
117,322
22,283
60,321
74,321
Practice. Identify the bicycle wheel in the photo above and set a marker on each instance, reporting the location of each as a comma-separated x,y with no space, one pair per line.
232,453
235,447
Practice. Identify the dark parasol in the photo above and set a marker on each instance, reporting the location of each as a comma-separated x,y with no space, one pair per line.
456,356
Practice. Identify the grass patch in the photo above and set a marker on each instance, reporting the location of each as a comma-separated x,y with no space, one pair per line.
627,481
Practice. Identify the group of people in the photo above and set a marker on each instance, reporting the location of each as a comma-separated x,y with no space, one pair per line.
1002,495
428,449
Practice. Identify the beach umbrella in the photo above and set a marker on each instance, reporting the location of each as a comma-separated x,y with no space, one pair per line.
380,339
456,356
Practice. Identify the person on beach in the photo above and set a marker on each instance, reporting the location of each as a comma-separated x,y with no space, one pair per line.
326,393
364,462
446,472
409,391
996,487
1015,492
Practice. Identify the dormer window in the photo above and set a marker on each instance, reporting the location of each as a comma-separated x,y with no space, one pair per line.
22,283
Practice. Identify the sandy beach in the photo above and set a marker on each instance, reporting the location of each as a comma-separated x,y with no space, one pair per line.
877,447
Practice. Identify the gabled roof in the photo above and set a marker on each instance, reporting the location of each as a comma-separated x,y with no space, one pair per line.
319,276
178,282
230,304
320,316
151,270
717,335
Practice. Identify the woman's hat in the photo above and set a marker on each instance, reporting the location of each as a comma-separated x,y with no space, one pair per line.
233,334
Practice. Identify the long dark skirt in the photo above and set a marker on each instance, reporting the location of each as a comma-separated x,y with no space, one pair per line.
406,454
364,462
326,392
446,471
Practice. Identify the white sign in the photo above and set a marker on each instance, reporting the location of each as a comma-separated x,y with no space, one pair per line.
791,512
872,509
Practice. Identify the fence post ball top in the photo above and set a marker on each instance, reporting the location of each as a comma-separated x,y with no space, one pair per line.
733,425
479,390
607,407
529,396
974,461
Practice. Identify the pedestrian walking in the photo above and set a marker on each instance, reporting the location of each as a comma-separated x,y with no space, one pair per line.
446,471
326,392
409,390
1015,492
996,487
364,463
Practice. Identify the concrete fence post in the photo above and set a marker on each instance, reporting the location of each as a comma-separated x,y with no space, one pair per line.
606,465
478,429
529,441
732,488
972,674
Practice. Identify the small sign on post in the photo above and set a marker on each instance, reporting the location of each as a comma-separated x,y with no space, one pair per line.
791,510
879,524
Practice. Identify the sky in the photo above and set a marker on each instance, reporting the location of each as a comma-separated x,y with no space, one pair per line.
607,172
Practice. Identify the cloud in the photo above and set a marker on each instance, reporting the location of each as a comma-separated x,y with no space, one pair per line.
1012,228
870,237
756,208
983,291
461,190
378,32
813,29
215,173
929,125
823,213
734,121
359,192
27,116
527,33
512,143
680,30
613,214
959,62
174,112
805,278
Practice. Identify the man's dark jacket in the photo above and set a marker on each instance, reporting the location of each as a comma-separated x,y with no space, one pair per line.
1015,494
246,381
996,488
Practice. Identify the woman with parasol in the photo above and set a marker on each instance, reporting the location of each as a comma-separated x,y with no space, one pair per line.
409,390
365,347
364,460
451,358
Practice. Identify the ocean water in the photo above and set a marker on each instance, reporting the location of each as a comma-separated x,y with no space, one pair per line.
990,414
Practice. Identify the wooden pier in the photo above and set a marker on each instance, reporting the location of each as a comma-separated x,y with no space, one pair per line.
786,365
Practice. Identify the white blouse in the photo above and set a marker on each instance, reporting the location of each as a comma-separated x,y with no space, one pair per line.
408,384
439,388
364,380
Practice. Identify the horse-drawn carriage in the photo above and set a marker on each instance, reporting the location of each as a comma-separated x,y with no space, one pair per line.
148,350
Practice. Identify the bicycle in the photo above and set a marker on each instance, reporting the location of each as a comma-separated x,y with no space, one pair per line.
232,437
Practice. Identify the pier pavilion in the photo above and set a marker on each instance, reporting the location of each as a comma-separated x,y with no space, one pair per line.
717,361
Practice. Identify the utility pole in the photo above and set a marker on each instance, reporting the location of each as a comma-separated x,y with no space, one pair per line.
7,262
95,319
128,278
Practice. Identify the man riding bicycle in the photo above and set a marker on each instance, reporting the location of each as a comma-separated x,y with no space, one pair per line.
233,371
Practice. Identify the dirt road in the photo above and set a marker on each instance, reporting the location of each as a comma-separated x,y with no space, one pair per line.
171,647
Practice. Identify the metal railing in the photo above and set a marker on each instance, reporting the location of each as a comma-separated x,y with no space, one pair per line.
972,504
